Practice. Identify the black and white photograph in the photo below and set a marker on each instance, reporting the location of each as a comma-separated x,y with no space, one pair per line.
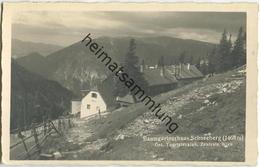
128,85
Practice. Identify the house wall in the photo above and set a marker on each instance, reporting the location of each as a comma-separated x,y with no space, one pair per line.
91,105
75,107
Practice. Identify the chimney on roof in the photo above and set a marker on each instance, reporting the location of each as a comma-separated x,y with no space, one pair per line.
142,67
162,71
188,66
161,66
174,70
179,69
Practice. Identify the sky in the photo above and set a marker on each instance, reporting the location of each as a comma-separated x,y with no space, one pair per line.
65,28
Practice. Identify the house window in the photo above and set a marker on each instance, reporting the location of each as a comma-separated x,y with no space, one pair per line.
94,95
88,106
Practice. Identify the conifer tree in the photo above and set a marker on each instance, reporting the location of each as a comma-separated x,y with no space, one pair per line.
228,59
203,67
131,67
198,63
223,54
190,59
182,57
212,61
239,51
161,61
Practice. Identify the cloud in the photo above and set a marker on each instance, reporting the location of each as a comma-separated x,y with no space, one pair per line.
66,19
65,28
205,35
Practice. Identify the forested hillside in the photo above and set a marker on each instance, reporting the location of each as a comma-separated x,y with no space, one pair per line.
34,98
76,68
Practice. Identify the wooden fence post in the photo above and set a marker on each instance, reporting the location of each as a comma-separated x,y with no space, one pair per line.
36,138
59,125
99,114
64,124
53,126
24,144
44,128
49,126
69,123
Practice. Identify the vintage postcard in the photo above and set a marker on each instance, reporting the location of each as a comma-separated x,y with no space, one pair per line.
119,83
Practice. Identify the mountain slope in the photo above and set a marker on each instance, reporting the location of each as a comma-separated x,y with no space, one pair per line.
36,63
33,96
212,107
22,48
76,67
148,48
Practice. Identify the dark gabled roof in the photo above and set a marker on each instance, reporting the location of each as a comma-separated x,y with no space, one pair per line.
154,77
82,94
185,73
127,99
